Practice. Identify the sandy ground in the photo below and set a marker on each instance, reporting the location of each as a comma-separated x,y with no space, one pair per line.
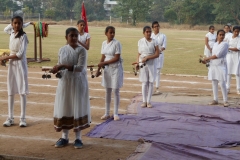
37,140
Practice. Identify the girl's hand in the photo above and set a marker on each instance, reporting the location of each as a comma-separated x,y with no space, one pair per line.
144,60
137,67
55,69
101,64
98,73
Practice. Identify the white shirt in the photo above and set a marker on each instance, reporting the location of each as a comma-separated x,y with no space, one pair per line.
83,38
161,40
211,38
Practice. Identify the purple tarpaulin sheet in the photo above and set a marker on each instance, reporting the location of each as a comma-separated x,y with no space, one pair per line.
158,151
205,126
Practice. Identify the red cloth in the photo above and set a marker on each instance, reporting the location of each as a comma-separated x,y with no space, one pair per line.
84,17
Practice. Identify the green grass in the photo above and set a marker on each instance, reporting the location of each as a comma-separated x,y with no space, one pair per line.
181,55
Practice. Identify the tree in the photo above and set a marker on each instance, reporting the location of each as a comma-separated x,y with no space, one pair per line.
137,10
227,10
158,9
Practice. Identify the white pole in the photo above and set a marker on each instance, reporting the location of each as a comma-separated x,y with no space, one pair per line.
39,17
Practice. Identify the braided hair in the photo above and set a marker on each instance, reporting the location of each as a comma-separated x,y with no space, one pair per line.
20,32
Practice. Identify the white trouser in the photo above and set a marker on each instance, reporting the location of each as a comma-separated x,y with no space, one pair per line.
65,133
229,76
108,101
147,89
215,90
158,76
23,99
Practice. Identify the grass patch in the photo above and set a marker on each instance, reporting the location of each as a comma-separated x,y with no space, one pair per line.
181,56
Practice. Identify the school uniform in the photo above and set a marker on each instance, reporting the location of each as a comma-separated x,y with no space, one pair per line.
162,43
17,77
228,35
83,38
112,78
233,61
218,69
72,106
211,40
147,74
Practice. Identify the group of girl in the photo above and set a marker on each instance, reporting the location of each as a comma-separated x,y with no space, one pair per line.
223,52
72,106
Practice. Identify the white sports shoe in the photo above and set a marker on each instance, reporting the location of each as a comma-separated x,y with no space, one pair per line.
8,122
23,123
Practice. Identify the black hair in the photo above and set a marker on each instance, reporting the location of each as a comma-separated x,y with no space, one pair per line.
227,26
80,21
236,27
210,27
145,28
20,32
108,28
155,22
71,29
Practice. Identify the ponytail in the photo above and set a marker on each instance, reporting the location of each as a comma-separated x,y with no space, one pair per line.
20,33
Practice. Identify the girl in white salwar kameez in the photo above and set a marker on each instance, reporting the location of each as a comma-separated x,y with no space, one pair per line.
228,34
112,78
162,43
217,72
72,106
210,39
83,37
233,59
17,80
147,52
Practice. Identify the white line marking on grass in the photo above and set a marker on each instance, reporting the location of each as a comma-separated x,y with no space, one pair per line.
41,138
52,104
35,119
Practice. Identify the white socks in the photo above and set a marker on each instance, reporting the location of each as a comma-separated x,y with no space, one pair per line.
108,101
229,77
147,89
215,90
158,76
65,133
23,99
10,106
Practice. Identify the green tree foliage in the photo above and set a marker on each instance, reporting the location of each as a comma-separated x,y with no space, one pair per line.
227,11
197,12
158,9
137,10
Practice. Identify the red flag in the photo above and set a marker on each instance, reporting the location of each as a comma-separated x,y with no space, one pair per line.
84,17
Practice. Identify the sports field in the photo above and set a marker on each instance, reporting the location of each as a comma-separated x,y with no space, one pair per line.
37,140
181,56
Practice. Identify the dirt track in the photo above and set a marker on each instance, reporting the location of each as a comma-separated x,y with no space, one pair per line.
38,139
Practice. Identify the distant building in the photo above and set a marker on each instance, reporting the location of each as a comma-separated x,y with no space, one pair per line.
108,6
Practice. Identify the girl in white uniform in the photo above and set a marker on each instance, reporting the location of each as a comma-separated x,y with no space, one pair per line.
83,37
17,80
228,34
72,106
148,50
210,39
233,58
218,69
112,78
162,43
